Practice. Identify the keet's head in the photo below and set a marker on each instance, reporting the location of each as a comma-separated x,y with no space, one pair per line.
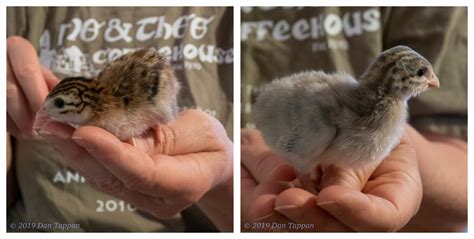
70,101
401,72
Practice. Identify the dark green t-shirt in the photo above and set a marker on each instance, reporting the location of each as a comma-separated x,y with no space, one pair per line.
80,41
276,42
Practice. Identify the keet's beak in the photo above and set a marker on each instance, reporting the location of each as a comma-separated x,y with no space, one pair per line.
433,82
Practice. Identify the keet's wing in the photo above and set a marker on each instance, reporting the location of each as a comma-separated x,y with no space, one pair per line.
293,115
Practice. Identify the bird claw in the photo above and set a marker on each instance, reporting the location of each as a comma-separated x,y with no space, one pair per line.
312,181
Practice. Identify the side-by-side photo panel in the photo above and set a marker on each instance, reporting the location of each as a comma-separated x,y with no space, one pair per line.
354,119
120,119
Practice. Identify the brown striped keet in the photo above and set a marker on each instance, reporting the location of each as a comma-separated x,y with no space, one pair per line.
130,95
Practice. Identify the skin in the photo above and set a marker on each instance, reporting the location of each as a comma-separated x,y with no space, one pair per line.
265,177
444,205
368,115
28,83
393,193
142,171
388,202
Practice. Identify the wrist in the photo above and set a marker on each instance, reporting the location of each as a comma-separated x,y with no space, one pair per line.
217,203
444,173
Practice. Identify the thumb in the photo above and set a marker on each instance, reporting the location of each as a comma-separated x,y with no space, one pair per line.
361,212
353,178
193,131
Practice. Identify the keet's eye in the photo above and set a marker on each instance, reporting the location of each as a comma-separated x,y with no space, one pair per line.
59,103
420,72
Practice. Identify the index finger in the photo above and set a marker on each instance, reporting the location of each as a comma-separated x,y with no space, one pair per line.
27,71
300,206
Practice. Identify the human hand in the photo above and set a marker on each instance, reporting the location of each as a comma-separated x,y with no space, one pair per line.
442,162
164,172
387,202
263,176
28,84
267,179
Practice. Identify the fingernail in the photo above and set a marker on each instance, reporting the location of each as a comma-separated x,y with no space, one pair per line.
61,134
83,143
286,184
329,206
323,204
80,141
43,132
292,211
286,209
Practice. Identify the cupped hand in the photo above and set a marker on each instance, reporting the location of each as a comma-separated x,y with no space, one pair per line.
28,84
387,201
266,179
164,172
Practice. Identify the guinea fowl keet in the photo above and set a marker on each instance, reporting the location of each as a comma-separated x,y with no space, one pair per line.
129,96
318,119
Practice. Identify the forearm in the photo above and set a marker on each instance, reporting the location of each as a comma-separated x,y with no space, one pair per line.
443,168
217,204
